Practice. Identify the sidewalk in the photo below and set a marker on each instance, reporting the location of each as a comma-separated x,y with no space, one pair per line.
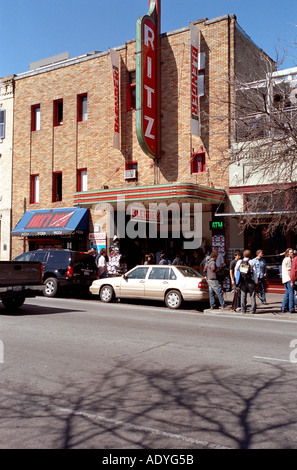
271,310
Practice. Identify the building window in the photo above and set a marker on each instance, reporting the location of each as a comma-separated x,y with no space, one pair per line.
2,123
198,162
131,91
131,166
82,107
35,117
58,112
82,179
57,186
34,189
201,74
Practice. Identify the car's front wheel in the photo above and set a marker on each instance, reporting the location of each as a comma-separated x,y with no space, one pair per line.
106,294
173,299
50,287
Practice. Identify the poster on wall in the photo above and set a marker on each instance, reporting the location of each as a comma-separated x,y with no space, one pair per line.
97,240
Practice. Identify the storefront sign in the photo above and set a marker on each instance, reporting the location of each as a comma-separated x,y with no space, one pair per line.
145,215
46,220
194,32
97,240
114,57
147,80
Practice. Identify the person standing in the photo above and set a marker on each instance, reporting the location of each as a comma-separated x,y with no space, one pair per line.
213,284
236,297
247,281
261,269
288,300
102,264
293,276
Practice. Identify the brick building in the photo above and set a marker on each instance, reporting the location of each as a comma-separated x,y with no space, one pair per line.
63,154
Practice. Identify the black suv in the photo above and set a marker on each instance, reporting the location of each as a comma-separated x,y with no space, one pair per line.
63,269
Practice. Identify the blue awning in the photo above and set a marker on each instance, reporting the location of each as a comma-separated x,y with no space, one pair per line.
40,223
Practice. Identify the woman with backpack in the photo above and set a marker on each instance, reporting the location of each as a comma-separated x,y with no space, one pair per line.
245,271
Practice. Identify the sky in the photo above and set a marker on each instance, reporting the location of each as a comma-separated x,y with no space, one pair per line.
36,29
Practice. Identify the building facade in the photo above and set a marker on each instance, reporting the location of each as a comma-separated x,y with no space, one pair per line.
6,143
64,158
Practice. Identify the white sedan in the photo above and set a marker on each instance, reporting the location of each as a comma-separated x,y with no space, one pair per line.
170,284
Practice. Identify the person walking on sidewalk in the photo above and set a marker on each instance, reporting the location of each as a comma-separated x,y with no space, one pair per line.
261,269
293,276
288,300
235,288
247,281
213,283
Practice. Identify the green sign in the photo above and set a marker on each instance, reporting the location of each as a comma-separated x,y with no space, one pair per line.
216,225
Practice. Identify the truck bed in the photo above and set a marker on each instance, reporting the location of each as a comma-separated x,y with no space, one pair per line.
20,273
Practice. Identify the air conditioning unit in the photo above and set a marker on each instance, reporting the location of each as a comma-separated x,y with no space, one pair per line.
130,174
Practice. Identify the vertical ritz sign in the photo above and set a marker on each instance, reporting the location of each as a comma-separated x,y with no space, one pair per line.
147,80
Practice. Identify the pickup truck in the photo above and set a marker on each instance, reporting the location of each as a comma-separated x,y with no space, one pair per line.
19,280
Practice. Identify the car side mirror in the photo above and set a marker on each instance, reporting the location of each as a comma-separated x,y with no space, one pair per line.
124,277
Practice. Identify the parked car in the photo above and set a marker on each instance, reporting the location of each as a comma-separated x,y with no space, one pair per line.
171,284
63,269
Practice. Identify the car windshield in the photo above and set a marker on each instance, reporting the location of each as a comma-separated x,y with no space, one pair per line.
187,271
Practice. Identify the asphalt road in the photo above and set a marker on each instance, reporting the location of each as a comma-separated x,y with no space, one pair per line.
81,374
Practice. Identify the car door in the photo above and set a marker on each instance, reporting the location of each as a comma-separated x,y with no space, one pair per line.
157,282
132,284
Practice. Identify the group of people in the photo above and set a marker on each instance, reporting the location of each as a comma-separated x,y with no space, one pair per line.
245,274
248,275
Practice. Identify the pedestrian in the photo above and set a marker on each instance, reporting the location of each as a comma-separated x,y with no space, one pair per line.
93,252
102,264
213,284
149,259
195,260
293,276
178,260
247,281
261,269
163,259
236,296
158,255
288,300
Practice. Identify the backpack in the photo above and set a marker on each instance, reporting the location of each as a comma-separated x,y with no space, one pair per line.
245,270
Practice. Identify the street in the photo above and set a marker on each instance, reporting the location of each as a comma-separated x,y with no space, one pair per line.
82,374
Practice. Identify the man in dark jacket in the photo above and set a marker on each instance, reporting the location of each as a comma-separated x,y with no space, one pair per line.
213,283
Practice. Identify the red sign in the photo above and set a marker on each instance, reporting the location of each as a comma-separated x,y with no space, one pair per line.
147,80
114,56
50,220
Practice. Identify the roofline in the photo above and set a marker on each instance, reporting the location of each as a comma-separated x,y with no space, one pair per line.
94,55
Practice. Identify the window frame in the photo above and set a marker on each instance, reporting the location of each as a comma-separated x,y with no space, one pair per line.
55,195
194,163
34,195
34,109
58,121
2,123
131,91
80,115
79,186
